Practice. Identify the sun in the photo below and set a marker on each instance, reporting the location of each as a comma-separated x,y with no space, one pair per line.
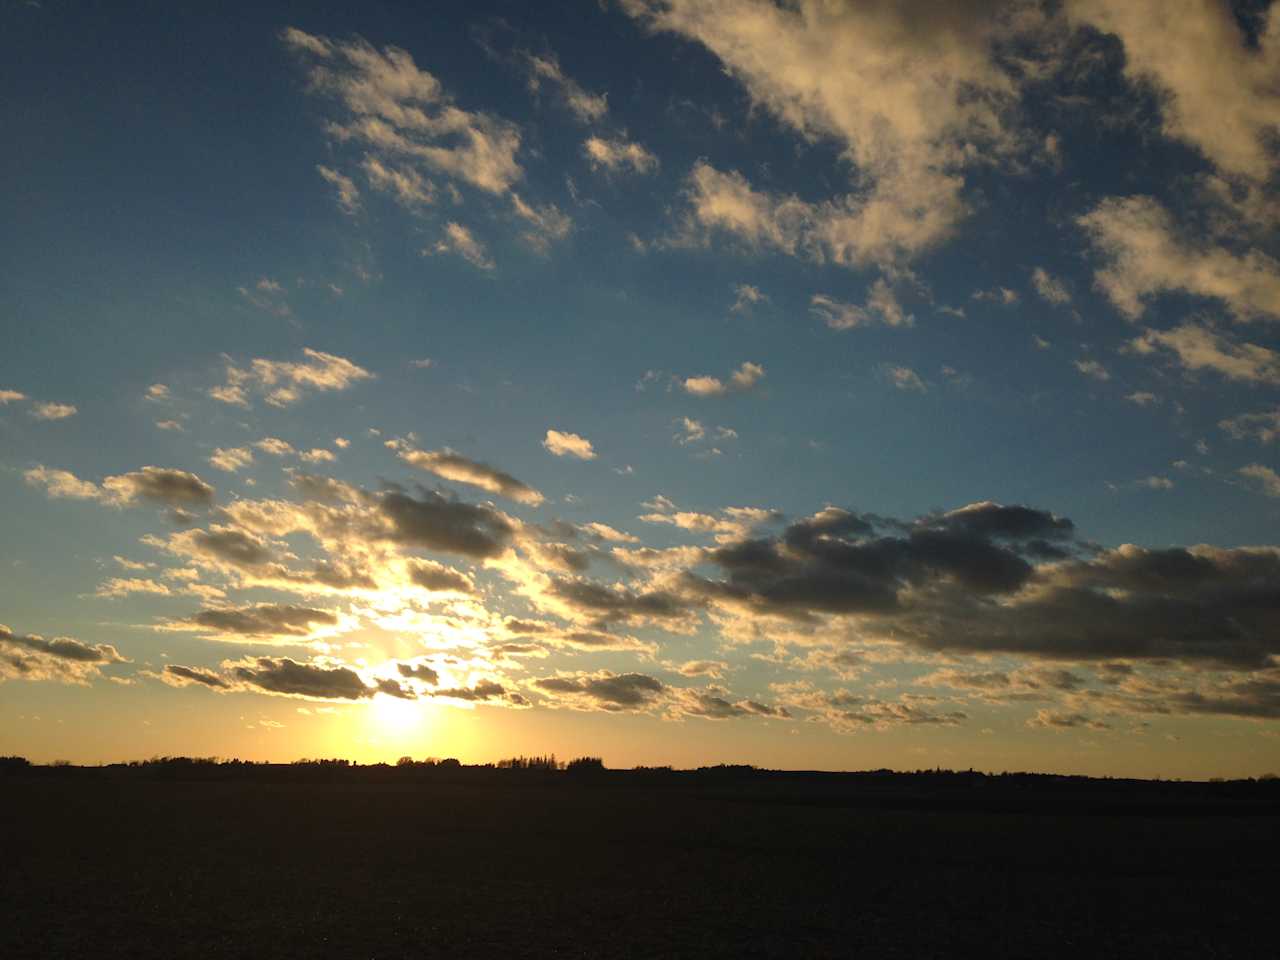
394,717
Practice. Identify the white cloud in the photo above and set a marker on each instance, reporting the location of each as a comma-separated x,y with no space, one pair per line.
347,193
568,445
1201,348
283,382
157,391
1049,287
453,466
616,155
745,297
11,396
1145,257
53,411
904,378
881,307
318,455
458,239
403,113
744,378
1268,480
1265,426
171,425
275,446
690,431
409,188
854,73
546,224
1143,398
231,459
1221,94
1093,369
587,107
1002,295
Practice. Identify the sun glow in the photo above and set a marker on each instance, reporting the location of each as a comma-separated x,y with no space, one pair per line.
394,717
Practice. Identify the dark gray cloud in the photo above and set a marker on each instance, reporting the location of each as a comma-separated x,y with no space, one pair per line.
175,488
263,620
620,603
627,691
436,522
438,577
714,704
61,659
290,678
195,675
230,545
62,648
484,690
418,671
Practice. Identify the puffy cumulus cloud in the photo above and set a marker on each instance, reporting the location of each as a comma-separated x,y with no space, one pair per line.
1145,256
742,379
275,446
714,703
53,411
1263,426
618,155
231,459
568,445
1196,347
881,307
1050,287
282,383
1220,90
399,112
545,70
604,603
458,239
345,190
284,623
60,659
851,73
689,431
174,488
453,466
438,578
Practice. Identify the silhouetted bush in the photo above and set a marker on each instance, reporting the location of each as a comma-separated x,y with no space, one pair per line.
585,766
14,765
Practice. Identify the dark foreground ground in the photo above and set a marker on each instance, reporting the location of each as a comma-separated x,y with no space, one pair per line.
101,866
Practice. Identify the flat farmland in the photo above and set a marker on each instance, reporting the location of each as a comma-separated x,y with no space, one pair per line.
518,867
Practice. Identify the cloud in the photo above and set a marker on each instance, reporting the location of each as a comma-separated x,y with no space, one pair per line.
1143,398
881,307
1001,295
437,523
180,676
1145,257
397,111
545,69
568,444
602,691
286,677
11,396
690,431
1092,369
231,459
458,239
747,296
275,446
1219,91
61,659
742,379
1049,287
283,383
453,466
438,578
852,74
616,155
260,621
348,194
1057,720
1201,348
175,488
406,185
1268,480
547,224
904,378
53,411
1263,426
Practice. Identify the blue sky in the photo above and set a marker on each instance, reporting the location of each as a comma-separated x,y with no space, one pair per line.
802,384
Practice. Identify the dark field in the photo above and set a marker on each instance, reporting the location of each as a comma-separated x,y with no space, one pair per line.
625,866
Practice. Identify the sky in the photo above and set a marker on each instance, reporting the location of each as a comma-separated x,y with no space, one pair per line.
805,384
